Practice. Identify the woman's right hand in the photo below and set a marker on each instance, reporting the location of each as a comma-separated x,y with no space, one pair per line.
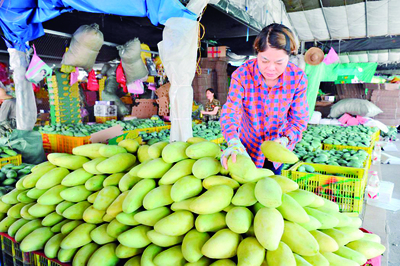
235,147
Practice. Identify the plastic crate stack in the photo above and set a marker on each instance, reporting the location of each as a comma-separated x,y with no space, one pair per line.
15,160
64,100
12,254
340,184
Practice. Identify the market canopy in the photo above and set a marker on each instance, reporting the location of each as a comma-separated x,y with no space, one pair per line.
21,20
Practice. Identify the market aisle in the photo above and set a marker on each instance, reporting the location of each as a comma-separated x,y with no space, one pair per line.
391,173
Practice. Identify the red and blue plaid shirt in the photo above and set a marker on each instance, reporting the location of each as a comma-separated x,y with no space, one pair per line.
255,113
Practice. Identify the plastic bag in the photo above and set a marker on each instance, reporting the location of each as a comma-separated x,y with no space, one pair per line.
110,94
178,52
85,46
26,110
136,87
93,84
37,69
73,78
35,88
27,143
354,107
131,60
121,78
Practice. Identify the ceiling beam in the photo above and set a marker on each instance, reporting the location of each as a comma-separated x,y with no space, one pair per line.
362,44
326,22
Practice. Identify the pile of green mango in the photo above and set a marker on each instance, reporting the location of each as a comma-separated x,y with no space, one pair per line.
10,174
81,130
173,204
6,152
209,131
357,136
391,135
348,158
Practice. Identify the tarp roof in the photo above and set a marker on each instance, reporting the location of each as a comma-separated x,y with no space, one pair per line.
21,20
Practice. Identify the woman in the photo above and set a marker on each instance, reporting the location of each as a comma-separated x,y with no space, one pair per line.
7,108
212,108
266,100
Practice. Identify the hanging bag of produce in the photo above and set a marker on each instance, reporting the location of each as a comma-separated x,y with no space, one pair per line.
93,84
85,46
37,69
132,63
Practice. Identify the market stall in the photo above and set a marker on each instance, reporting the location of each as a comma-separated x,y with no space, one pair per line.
111,164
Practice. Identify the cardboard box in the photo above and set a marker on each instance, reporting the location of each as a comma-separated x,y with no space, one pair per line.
217,51
105,110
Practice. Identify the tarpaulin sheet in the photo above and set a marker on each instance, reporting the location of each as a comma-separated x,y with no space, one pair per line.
21,20
323,72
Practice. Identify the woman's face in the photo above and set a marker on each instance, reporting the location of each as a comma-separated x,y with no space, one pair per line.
210,95
272,63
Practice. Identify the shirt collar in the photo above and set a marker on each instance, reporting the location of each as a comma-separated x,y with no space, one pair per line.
259,79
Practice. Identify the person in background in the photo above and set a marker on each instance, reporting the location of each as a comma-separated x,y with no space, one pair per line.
212,109
267,100
7,108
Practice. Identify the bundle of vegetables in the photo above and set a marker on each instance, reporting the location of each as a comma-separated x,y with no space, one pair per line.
10,174
348,158
173,204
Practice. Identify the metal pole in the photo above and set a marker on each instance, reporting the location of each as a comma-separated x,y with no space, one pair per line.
366,19
323,13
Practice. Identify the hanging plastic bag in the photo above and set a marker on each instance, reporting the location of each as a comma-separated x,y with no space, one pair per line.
151,66
136,87
35,88
93,84
37,69
132,63
85,46
121,79
73,78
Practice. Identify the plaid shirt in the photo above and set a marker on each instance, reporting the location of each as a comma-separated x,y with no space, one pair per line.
255,113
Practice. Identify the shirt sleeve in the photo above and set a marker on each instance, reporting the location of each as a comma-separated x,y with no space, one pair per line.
298,113
232,109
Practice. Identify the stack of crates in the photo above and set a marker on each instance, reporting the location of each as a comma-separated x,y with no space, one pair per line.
15,160
12,254
343,185
64,100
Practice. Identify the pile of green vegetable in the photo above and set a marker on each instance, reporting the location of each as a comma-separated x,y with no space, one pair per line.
10,174
81,130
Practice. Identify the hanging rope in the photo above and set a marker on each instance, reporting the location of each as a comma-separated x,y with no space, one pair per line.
200,35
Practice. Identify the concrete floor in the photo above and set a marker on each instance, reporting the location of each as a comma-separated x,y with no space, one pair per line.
391,173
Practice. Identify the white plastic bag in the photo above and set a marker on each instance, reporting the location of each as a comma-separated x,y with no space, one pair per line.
132,63
85,46
178,52
26,110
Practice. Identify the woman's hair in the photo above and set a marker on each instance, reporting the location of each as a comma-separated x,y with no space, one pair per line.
276,36
211,90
